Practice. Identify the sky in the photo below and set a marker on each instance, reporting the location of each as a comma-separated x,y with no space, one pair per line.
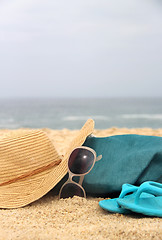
83,48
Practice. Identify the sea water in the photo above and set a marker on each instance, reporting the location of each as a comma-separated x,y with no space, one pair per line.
72,113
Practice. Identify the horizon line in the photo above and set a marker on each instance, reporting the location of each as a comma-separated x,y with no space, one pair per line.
79,98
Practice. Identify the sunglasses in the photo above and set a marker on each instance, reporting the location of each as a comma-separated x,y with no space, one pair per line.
80,163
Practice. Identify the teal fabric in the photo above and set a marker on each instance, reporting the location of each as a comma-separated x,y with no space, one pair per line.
131,159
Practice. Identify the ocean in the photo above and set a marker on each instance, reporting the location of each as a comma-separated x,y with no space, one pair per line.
72,113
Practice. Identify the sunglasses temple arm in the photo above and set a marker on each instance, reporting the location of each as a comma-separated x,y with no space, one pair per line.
98,158
81,180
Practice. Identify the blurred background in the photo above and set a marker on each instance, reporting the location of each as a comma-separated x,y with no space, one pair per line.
62,62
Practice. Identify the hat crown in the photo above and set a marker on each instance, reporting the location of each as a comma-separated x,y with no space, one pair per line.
25,153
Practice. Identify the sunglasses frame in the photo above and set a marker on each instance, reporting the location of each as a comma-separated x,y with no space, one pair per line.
71,174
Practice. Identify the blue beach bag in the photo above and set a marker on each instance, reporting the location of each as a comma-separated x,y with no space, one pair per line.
128,158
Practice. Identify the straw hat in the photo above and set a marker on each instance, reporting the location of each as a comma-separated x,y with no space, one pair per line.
30,165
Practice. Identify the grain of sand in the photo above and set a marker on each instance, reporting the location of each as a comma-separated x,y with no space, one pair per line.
77,218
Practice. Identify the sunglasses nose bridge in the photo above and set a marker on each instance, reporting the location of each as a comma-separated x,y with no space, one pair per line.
70,175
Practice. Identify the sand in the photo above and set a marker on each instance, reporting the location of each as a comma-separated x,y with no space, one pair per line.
76,218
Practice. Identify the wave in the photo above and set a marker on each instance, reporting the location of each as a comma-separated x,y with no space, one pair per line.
78,118
9,123
143,116
10,126
6,119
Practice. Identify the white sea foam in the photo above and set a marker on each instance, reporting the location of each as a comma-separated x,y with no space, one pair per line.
9,123
72,113
6,120
143,116
78,118
9,126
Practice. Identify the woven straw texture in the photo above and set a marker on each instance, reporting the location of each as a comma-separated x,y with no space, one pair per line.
31,166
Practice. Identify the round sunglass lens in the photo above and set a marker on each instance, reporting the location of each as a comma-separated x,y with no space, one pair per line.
70,190
80,161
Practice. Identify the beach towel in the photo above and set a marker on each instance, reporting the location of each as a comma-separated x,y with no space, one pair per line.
131,159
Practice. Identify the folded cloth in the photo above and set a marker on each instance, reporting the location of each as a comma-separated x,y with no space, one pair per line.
125,158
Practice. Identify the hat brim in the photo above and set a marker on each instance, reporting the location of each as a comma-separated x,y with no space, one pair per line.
27,190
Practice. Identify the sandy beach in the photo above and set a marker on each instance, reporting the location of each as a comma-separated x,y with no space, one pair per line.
77,218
